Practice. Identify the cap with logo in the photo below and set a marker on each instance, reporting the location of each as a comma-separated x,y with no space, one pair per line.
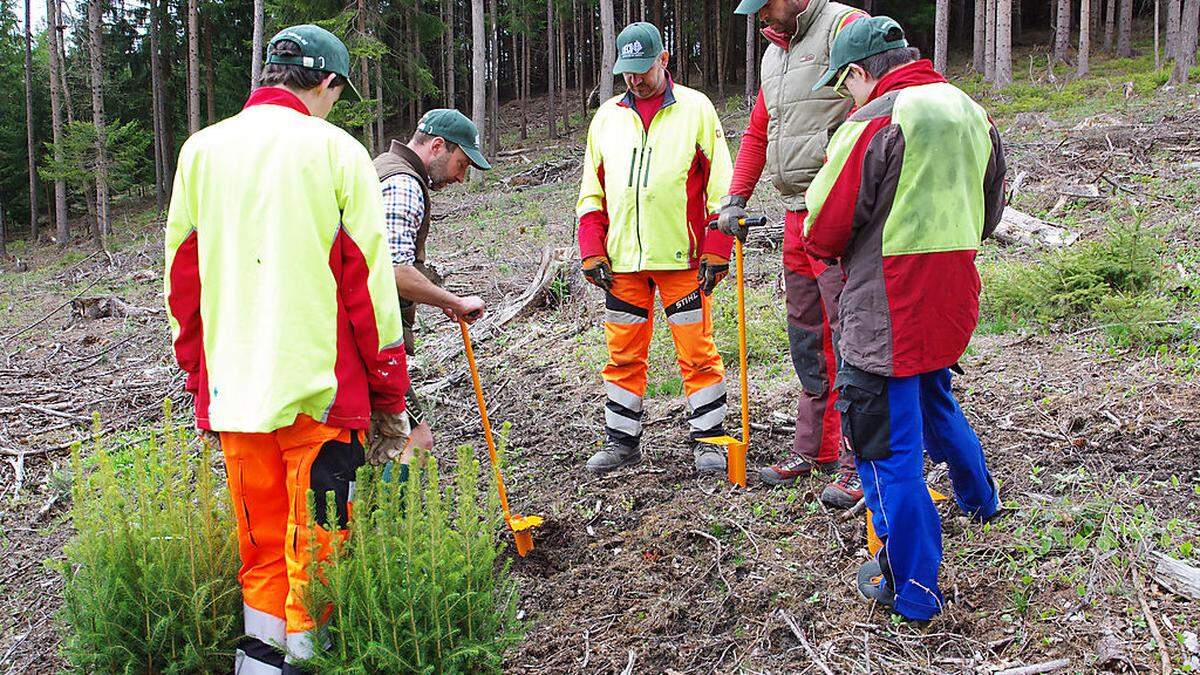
860,40
319,50
638,47
750,6
454,126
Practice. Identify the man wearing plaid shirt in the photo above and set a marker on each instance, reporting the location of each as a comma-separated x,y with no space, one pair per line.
439,153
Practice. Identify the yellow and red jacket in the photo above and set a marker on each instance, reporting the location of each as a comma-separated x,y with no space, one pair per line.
648,193
278,280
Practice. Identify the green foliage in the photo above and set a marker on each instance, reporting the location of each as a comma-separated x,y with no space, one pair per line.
126,144
417,588
1118,281
151,573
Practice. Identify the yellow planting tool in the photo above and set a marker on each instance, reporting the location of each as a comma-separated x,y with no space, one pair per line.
522,526
874,543
736,450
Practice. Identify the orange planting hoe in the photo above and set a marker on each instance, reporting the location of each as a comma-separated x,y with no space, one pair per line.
521,526
873,541
735,449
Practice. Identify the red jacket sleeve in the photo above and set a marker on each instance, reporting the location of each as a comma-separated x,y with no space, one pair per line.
752,155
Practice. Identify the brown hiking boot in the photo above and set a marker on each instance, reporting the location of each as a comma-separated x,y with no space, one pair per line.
796,466
844,492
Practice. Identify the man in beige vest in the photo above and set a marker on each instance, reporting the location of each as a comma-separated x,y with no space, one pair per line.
789,127
439,153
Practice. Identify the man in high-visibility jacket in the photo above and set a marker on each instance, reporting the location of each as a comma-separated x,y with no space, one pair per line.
285,317
655,169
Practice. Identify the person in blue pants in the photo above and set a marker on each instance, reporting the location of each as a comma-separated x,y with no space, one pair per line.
912,184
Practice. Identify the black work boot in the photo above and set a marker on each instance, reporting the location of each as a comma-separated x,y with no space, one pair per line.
613,456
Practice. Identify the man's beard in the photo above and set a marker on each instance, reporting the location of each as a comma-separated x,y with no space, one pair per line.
438,173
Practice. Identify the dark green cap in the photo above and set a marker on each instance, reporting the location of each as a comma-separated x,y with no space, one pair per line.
862,39
454,126
319,50
638,47
750,6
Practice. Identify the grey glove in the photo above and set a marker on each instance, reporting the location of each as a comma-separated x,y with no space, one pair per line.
731,215
388,436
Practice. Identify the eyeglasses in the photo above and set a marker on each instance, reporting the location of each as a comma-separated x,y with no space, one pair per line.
839,86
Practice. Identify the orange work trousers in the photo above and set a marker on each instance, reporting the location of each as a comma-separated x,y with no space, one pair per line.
628,327
270,475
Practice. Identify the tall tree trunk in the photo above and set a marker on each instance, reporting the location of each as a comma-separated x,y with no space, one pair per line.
682,45
551,60
1110,22
31,144
167,142
524,85
562,75
979,53
1157,34
451,65
478,75
364,83
210,97
193,83
256,45
751,61
579,83
1085,37
941,35
707,10
608,46
1003,43
1173,21
3,243
380,141
1189,27
56,120
1125,29
1062,31
494,50
989,65
1018,21
160,174
719,43
102,228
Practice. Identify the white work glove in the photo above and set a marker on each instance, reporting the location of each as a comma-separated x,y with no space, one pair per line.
387,437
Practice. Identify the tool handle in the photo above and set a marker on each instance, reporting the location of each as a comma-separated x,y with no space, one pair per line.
483,416
753,221
743,375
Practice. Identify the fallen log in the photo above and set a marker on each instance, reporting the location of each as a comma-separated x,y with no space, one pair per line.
1021,228
1037,668
98,307
1176,576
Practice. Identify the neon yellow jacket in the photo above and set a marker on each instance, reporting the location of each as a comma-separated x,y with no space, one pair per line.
278,281
647,194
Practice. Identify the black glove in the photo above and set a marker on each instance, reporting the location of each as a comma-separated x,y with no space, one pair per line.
598,271
713,269
731,217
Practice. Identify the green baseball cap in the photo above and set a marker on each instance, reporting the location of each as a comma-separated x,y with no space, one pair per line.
862,39
454,126
750,6
638,47
319,50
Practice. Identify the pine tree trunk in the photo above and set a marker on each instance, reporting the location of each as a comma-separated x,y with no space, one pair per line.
451,65
578,60
1189,27
751,61
706,44
193,72
979,53
1062,31
1110,22
56,120
551,61
608,46
94,27
1173,22
3,242
494,50
364,84
562,75
31,143
1003,43
210,102
478,75
256,45
1125,29
681,43
1157,34
523,86
166,58
989,65
1017,21
380,140
1085,37
941,35
160,174
719,44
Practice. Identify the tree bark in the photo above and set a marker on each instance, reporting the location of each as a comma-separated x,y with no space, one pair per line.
1173,21
551,66
564,106
1062,31
1110,23
581,88
989,65
478,73
1125,29
1003,43
364,84
31,143
1157,34
193,72
256,45
380,141
102,227
451,65
3,243
164,100
160,174
210,102
751,61
524,85
1085,37
681,42
941,35
56,120
979,53
609,49
719,44
494,50
1189,28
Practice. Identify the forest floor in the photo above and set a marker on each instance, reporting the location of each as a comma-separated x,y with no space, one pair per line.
1096,442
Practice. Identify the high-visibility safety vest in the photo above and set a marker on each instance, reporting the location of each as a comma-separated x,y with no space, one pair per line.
655,187
278,281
